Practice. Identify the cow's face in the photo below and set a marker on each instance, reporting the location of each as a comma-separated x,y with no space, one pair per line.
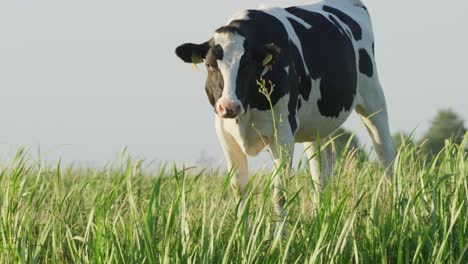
234,65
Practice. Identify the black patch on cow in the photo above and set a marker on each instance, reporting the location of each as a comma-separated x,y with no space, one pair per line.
294,86
297,73
330,57
292,121
263,28
351,23
218,52
214,84
299,83
373,49
213,55
299,104
188,50
260,30
365,63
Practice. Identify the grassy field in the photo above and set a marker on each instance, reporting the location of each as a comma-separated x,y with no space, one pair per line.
51,214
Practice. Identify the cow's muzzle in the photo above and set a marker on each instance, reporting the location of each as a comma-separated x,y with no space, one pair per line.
229,109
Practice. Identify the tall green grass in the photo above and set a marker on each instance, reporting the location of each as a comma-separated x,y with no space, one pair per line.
50,214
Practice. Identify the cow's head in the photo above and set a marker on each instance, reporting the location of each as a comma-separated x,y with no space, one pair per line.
234,63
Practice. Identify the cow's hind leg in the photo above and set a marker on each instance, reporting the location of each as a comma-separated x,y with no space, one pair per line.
320,163
373,111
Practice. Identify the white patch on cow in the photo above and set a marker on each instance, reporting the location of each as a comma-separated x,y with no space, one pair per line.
316,84
281,12
283,16
352,8
287,69
242,15
313,123
317,8
343,26
233,48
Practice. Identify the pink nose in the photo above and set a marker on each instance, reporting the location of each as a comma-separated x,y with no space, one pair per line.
229,109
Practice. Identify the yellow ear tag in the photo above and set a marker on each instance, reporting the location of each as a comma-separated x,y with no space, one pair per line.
196,60
268,59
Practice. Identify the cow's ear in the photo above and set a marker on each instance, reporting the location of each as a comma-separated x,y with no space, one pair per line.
193,53
268,54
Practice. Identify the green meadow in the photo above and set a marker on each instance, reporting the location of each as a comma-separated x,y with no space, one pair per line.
123,213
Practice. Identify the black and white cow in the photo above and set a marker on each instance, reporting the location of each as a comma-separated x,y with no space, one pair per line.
320,58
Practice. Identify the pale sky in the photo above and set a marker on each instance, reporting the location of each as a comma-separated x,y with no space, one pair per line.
82,80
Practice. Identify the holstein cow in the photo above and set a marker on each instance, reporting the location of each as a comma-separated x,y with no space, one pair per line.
320,59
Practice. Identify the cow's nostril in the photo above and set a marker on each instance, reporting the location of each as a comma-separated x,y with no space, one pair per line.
221,108
232,109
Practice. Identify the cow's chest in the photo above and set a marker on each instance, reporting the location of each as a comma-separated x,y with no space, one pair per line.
250,134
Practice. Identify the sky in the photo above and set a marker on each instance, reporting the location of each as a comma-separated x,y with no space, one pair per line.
82,80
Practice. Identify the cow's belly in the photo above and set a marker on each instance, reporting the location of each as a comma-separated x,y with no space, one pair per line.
313,125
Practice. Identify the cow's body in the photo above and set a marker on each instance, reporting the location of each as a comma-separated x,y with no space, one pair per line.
317,100
323,68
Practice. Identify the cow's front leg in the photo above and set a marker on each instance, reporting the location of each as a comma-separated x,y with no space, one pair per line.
282,152
236,161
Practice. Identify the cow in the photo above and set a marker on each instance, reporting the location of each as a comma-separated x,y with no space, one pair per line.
319,64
